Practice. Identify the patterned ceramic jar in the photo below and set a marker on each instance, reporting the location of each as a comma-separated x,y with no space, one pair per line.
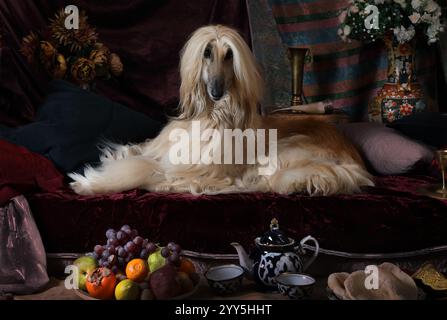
401,95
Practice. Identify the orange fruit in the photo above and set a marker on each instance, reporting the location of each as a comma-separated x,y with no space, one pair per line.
137,270
187,266
101,283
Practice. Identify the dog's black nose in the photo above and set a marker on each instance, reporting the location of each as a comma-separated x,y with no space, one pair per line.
216,96
217,90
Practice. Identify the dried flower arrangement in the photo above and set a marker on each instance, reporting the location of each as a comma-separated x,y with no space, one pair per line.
72,54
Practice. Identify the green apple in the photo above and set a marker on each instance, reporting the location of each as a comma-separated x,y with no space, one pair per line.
85,264
156,260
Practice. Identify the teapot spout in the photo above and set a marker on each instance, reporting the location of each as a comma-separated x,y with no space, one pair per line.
244,260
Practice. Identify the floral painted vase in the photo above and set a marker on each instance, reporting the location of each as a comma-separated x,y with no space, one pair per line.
401,95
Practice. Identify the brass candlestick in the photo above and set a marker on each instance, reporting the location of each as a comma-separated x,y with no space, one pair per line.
442,158
297,56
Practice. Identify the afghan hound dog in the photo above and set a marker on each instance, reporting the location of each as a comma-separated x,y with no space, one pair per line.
220,90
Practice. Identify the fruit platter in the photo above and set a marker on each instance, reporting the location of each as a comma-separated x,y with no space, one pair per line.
129,267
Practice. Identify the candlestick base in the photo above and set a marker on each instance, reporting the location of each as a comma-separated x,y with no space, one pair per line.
433,191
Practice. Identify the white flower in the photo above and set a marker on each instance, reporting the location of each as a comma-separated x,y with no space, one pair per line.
431,6
346,30
433,31
432,35
354,9
340,32
415,4
403,3
426,17
404,35
415,17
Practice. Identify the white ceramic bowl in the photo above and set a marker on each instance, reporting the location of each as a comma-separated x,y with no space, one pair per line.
225,279
295,285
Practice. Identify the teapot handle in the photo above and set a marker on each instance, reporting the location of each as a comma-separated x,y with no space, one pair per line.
317,250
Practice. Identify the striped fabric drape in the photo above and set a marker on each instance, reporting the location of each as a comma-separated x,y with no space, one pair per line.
349,74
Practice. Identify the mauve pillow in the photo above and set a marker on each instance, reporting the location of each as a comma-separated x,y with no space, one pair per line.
387,151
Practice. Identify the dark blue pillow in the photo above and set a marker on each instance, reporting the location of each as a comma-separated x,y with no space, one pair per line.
73,122
428,127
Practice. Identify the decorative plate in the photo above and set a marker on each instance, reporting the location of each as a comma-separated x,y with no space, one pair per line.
431,277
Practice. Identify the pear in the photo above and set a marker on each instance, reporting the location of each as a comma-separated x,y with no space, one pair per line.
84,265
156,261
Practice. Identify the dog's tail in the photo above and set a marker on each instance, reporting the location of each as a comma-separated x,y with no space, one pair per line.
117,176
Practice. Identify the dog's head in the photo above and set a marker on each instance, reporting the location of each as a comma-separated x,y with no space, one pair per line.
217,69
218,66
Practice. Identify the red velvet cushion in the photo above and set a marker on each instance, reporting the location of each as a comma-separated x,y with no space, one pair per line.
22,172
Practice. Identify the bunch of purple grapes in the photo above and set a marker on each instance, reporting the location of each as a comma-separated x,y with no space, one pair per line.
172,253
121,247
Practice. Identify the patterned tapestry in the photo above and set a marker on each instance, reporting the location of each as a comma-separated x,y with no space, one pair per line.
349,74
271,54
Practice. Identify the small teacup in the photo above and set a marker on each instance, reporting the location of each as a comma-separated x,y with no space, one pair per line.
225,279
295,285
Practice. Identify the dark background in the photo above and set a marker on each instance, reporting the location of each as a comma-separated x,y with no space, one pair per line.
146,34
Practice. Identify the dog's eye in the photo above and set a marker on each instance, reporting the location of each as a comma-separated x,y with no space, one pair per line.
207,53
229,55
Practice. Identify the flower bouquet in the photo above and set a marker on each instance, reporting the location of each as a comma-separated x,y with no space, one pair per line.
71,54
396,22
402,18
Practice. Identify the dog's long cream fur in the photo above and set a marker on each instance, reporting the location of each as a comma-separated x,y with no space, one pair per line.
312,156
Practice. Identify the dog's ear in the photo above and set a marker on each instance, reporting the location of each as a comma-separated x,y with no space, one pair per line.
246,69
249,82
192,89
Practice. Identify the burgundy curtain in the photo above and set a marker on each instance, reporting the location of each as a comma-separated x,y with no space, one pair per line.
147,35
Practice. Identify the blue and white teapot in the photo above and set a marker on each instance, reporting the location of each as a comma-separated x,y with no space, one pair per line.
275,253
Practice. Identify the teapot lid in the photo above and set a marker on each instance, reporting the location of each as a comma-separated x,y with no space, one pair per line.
275,236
